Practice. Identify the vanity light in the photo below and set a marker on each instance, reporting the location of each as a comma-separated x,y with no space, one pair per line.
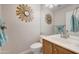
51,5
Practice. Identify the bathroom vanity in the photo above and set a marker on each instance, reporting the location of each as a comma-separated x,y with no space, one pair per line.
54,44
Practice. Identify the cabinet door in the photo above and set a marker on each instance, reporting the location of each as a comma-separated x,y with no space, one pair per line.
55,50
51,48
61,50
47,47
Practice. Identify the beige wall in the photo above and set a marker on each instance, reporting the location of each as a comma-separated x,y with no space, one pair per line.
0,16
20,35
0,10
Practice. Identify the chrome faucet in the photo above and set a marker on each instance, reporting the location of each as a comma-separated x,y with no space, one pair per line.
65,33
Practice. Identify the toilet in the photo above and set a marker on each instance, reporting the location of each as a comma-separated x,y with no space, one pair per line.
36,47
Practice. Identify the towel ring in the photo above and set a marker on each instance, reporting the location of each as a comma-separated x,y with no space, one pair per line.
3,27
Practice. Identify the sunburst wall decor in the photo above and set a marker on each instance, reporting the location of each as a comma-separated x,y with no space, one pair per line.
48,18
24,12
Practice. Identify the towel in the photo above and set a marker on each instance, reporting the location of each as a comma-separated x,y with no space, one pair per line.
2,40
74,23
3,36
60,28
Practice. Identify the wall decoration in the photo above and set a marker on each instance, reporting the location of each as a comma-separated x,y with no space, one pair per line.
48,18
24,12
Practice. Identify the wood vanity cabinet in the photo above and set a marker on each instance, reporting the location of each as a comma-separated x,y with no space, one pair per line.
48,47
51,48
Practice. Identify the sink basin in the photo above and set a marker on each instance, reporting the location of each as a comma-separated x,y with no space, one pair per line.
71,40
59,37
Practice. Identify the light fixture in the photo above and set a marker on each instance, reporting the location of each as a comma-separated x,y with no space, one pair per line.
51,5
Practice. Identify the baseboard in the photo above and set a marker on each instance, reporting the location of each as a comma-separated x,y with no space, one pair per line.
29,51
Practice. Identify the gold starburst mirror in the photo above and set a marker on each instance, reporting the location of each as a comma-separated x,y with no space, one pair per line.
24,12
48,18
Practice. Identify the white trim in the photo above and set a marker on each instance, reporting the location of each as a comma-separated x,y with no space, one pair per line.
26,51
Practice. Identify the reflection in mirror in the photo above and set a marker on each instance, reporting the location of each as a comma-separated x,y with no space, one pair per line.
72,20
60,28
56,25
62,15
46,20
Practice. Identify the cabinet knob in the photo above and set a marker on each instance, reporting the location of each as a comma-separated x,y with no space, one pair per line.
55,50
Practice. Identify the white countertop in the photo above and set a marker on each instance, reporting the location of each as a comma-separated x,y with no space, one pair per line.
71,43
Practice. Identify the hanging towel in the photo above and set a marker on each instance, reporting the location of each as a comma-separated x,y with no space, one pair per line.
3,36
60,28
74,23
2,40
